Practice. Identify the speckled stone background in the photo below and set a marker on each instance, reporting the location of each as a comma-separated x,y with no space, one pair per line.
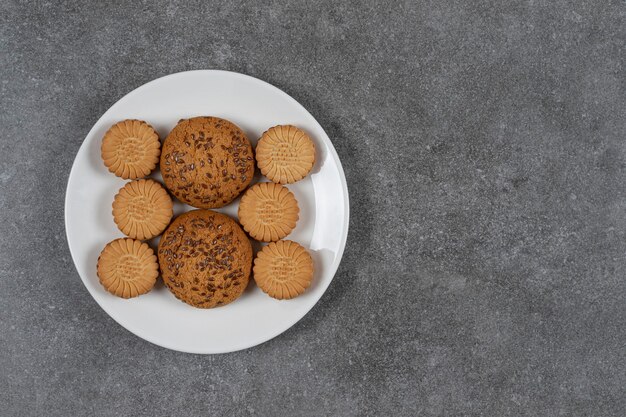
484,143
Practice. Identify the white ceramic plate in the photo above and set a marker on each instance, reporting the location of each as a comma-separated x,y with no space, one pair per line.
255,317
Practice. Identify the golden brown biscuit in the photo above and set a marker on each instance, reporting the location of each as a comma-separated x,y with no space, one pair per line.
283,269
127,268
285,154
205,258
142,209
268,211
130,149
207,162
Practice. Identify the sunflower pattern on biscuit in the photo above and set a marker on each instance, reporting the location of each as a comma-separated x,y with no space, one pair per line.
130,149
268,211
127,268
285,154
142,209
283,269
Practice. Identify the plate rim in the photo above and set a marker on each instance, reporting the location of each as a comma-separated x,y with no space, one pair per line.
344,185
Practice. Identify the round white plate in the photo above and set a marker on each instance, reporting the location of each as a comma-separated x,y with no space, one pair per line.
254,106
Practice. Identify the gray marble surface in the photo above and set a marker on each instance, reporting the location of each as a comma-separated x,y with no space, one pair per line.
484,143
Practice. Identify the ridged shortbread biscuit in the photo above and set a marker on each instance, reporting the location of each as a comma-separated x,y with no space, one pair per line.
127,268
268,211
142,209
285,154
283,269
130,149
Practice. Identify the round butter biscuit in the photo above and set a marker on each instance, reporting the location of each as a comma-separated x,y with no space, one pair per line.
127,268
268,211
130,149
142,209
285,154
283,269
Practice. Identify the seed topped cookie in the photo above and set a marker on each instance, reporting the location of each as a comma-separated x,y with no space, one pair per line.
283,269
268,211
127,268
207,162
130,149
205,258
142,209
285,154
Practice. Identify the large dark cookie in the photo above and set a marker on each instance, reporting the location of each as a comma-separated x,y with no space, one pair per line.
205,258
206,162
